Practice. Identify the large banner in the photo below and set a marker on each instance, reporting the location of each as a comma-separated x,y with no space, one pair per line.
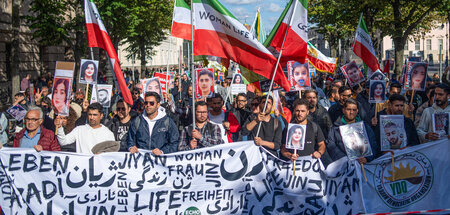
235,178
419,180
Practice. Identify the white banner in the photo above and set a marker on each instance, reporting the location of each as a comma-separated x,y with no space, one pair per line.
235,178
419,181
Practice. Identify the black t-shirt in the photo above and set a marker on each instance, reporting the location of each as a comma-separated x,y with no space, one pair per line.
311,139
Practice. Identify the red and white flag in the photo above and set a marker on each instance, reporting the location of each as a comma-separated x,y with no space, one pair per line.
181,21
363,46
320,61
218,33
98,37
294,20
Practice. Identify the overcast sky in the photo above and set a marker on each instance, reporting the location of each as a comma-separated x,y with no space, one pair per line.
245,10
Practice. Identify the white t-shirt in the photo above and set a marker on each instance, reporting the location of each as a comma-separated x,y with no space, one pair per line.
85,137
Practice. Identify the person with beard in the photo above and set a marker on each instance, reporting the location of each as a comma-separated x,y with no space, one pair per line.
240,108
395,107
184,108
314,140
138,102
68,123
88,135
425,128
121,122
153,129
317,113
271,131
335,111
225,119
205,133
334,143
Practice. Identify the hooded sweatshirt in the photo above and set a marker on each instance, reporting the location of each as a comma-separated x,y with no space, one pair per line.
152,122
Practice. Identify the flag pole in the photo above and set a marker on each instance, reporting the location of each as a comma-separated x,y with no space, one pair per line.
167,70
276,66
192,65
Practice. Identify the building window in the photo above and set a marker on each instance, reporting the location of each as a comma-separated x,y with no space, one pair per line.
406,45
417,45
440,44
428,44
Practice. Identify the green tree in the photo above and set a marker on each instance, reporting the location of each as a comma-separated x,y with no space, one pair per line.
150,24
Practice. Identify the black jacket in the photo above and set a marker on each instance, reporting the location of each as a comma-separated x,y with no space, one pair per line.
322,118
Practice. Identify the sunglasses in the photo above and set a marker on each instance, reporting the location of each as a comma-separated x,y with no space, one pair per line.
151,103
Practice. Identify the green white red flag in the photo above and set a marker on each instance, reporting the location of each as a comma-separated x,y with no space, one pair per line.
294,20
218,33
363,46
181,21
98,37
320,61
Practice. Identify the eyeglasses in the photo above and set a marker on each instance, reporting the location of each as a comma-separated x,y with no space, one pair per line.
151,103
202,112
32,119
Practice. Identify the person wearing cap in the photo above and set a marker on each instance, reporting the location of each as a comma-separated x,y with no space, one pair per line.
88,135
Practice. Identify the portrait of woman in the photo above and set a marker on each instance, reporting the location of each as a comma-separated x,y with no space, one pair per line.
61,95
238,79
153,85
88,72
295,137
417,76
377,92
300,76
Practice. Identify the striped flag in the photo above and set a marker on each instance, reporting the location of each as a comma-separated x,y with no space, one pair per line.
320,61
219,33
258,29
98,37
181,21
363,46
294,19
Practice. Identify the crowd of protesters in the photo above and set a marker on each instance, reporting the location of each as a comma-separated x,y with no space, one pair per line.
165,125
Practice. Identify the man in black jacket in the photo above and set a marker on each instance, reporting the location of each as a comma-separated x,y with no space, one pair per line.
120,124
395,107
317,113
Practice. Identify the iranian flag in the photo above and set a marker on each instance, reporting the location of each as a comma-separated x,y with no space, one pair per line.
294,20
181,21
363,46
98,37
320,61
219,33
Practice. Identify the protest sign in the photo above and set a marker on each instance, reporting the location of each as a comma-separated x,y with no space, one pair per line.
299,75
352,73
238,88
416,75
164,83
204,80
88,72
17,111
377,91
265,86
151,85
392,132
441,124
62,87
296,136
377,76
355,140
103,94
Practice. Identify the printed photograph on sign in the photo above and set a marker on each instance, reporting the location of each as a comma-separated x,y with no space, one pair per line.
104,94
151,85
417,75
392,132
237,79
352,73
204,80
377,76
265,86
62,88
441,124
355,140
17,111
278,105
296,137
88,72
299,75
94,94
377,91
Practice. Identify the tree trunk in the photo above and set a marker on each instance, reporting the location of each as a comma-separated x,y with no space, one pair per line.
15,48
143,56
399,44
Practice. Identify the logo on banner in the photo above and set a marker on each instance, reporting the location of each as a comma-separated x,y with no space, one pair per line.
192,211
410,181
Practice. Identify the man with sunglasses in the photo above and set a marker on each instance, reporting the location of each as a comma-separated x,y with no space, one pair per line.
34,135
138,102
153,129
121,122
